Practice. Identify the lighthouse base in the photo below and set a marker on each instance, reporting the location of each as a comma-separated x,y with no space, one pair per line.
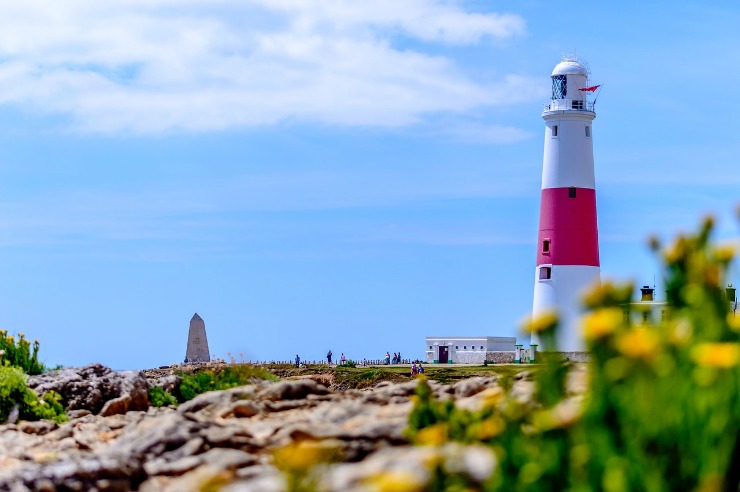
562,292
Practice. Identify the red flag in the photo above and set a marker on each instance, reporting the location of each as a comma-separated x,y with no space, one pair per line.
590,89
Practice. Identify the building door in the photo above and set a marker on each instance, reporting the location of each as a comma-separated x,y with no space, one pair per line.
443,354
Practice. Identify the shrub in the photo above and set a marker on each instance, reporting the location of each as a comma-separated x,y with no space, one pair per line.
231,376
662,408
350,363
15,393
161,398
19,353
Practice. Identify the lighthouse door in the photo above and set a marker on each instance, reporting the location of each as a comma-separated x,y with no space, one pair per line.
443,354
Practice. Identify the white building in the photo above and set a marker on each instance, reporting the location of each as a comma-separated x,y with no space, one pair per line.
470,350
650,310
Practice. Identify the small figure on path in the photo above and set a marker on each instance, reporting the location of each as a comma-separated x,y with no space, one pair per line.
421,369
387,359
399,357
413,370
328,357
342,359
297,361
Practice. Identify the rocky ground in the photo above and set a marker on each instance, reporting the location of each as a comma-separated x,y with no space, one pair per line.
226,440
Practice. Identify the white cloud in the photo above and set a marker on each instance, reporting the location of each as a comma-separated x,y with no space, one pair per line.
202,65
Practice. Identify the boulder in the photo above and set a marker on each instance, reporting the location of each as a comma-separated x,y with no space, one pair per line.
95,388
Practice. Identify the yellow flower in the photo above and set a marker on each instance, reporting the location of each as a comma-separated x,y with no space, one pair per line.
434,435
562,415
491,396
638,344
540,323
302,456
396,481
733,319
724,253
489,428
718,354
601,322
607,294
676,252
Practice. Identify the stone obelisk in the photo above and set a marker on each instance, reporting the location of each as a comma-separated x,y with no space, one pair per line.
197,350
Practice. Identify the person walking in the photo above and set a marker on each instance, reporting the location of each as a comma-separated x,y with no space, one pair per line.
297,361
387,359
421,369
342,359
413,370
328,357
399,357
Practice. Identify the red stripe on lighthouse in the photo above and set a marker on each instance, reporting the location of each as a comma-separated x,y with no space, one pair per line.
569,224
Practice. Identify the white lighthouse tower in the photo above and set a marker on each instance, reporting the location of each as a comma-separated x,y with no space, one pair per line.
568,242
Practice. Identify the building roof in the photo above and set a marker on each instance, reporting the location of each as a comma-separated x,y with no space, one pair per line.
570,67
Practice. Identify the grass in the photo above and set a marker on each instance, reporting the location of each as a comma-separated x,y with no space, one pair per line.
367,377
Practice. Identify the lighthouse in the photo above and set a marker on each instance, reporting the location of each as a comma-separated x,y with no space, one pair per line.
568,240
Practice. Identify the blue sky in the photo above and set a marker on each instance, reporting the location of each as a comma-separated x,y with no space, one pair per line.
332,174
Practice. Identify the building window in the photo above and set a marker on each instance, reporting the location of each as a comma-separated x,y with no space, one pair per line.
626,316
662,314
456,347
545,273
465,347
554,130
430,347
559,86
572,192
577,104
546,246
588,131
481,347
645,315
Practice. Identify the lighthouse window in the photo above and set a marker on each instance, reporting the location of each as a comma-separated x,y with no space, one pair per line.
588,131
545,273
577,104
572,192
554,130
559,86
546,246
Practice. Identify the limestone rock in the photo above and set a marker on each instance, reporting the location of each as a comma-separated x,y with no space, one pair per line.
95,388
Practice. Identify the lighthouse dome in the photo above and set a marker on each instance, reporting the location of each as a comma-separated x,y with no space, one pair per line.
570,67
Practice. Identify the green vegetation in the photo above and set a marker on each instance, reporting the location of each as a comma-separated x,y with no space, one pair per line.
18,358
15,394
161,398
230,376
662,408
18,353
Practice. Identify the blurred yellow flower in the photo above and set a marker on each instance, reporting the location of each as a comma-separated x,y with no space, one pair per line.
489,428
608,294
491,396
638,343
396,481
562,415
676,251
540,323
717,354
601,322
724,253
302,456
733,319
434,435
